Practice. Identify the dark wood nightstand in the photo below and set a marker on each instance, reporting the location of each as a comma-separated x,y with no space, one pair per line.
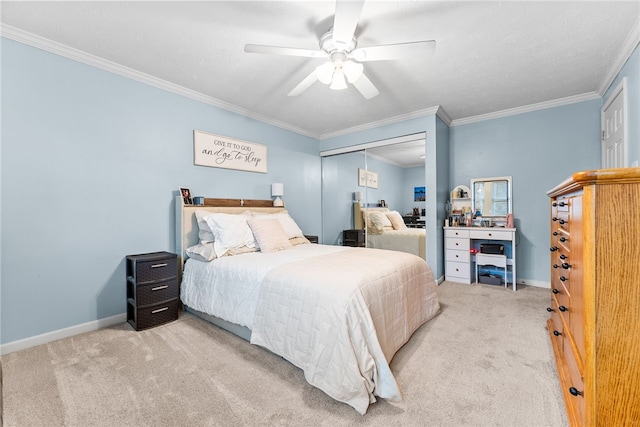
353,238
312,239
152,289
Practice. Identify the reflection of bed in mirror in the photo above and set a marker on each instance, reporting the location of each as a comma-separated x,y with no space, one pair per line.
386,230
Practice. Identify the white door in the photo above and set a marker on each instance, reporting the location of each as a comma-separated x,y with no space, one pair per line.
614,138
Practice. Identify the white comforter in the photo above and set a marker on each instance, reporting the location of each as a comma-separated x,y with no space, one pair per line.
340,314
410,240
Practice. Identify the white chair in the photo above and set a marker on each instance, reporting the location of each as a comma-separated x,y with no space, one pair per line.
499,261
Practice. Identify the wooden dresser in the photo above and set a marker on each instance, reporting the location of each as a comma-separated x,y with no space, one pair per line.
595,295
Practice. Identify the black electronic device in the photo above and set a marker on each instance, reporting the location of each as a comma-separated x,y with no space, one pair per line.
492,248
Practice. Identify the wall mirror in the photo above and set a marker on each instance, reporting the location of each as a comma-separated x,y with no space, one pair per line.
491,197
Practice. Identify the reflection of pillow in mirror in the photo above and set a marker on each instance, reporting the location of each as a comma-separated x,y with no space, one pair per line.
379,221
269,234
396,220
295,241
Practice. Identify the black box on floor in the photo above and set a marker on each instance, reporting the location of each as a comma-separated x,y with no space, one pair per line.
490,280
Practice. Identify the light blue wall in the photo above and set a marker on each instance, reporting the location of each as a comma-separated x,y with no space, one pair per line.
631,70
539,150
91,162
413,177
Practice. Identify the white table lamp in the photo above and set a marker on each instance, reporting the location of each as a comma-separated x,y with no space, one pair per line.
277,190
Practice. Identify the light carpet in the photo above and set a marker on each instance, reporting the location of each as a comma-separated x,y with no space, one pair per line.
485,360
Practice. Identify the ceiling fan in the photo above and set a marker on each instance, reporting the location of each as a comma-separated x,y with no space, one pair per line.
339,45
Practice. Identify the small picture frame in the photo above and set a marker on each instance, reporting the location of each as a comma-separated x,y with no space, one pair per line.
186,196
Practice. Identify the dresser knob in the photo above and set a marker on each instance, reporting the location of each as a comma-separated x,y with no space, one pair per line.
554,219
562,308
566,266
563,279
562,221
574,391
549,309
556,333
555,266
555,233
563,239
562,204
555,291
553,248
554,204
563,256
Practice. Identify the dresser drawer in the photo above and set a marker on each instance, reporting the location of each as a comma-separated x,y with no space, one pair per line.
557,329
490,235
153,315
574,386
152,267
457,256
458,270
456,233
457,244
153,293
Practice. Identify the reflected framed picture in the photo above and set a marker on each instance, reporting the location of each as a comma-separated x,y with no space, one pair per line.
419,194
367,178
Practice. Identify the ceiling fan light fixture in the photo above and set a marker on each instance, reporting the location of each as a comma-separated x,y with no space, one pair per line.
338,82
324,72
352,70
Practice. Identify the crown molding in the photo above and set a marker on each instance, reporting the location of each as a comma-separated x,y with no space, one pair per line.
629,45
384,122
112,67
527,108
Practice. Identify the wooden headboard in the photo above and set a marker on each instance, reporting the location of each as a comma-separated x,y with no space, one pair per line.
187,223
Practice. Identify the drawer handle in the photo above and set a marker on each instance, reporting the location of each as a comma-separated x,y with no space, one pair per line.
555,233
554,219
562,221
574,391
157,288
563,239
562,308
563,279
490,234
555,291
563,256
457,256
555,266
159,310
457,244
159,265
553,248
556,333
549,309
566,266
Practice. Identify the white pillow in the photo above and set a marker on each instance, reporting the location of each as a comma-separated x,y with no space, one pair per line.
202,252
231,232
289,226
269,235
396,220
204,232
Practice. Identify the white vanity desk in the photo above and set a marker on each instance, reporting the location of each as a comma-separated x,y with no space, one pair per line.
461,264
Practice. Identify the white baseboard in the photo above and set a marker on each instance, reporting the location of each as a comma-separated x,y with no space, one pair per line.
536,283
62,333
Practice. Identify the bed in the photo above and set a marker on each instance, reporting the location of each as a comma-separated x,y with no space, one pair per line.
338,313
386,230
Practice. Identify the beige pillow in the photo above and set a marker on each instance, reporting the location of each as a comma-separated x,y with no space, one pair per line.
396,220
269,234
379,222
295,241
289,226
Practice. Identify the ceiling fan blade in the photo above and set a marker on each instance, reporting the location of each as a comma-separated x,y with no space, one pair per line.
394,51
365,87
304,84
288,51
346,20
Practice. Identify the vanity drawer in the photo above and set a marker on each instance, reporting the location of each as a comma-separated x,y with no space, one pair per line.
457,244
458,270
457,256
490,234
456,233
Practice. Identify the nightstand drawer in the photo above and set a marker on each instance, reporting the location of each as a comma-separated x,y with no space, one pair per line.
152,267
153,315
153,293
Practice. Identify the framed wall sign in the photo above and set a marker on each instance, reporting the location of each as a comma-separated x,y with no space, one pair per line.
367,178
222,152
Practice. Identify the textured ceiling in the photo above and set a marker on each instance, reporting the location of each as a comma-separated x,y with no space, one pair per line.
490,56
